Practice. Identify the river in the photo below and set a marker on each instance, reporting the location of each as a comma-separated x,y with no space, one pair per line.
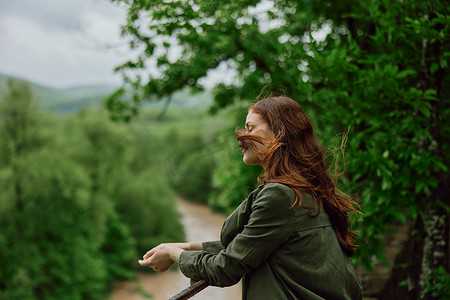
200,225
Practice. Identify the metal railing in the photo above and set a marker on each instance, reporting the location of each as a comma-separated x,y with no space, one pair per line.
190,291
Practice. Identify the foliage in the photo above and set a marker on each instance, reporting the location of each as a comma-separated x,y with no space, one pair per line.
375,66
189,160
34,178
125,165
442,288
193,179
76,210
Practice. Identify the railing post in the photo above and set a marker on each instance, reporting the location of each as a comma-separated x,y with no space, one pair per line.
190,291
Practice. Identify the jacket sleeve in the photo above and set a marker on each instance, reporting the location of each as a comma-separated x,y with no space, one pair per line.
213,246
264,232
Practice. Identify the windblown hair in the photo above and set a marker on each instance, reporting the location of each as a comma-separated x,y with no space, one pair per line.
295,159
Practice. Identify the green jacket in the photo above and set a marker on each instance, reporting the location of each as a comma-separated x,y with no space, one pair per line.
280,252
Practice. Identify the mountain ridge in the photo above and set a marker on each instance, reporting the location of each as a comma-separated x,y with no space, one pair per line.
70,99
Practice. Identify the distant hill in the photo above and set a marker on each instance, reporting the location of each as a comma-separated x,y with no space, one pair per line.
64,100
74,98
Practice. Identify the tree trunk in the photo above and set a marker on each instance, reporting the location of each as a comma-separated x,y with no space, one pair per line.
435,244
435,234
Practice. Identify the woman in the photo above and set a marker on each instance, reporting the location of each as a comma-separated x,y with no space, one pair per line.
290,239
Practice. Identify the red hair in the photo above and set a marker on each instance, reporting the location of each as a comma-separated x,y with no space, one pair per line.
295,159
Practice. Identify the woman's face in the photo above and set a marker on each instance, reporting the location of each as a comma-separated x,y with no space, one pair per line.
255,124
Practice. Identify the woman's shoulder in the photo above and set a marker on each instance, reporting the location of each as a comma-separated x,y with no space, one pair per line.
276,187
278,192
274,192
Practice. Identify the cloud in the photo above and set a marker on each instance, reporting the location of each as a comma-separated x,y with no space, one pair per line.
48,13
62,42
52,14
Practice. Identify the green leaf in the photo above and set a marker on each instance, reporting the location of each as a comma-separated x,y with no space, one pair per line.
430,94
405,73
401,217
434,67
425,110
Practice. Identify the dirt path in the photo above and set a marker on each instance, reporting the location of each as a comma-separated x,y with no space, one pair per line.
200,225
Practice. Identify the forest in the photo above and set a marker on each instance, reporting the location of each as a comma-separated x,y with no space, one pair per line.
83,197
376,69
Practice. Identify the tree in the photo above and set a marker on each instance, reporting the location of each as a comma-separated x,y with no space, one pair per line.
375,66
124,188
19,130
44,253
57,239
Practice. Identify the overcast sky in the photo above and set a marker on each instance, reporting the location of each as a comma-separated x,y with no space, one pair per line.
65,43
62,43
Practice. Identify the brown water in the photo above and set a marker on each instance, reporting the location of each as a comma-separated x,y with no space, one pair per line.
200,225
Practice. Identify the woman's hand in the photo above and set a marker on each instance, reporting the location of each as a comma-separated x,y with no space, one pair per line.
163,256
158,258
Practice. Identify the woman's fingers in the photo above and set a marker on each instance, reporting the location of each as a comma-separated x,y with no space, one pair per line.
145,262
148,263
151,252
148,254
158,258
184,246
